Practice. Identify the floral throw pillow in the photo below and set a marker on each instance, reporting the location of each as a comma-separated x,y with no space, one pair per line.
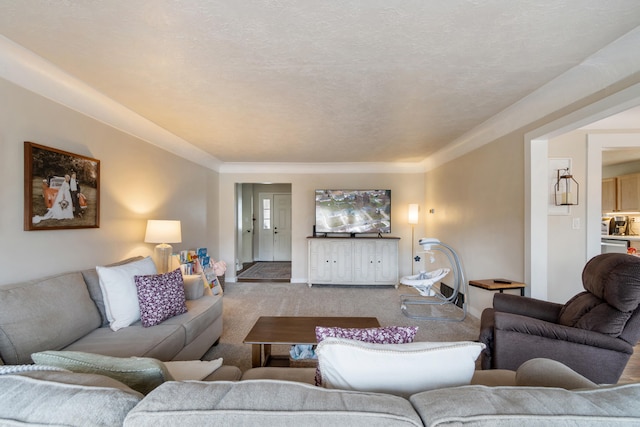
383,335
160,296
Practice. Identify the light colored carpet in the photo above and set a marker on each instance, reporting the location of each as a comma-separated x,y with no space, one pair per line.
244,302
267,270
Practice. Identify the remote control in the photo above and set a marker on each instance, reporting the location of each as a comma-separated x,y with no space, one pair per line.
508,282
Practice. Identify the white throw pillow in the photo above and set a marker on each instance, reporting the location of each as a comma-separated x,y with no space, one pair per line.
400,369
120,293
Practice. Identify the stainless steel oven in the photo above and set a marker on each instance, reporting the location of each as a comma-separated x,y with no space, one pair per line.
614,245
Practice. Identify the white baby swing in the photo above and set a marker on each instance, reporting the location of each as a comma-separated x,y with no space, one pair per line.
430,295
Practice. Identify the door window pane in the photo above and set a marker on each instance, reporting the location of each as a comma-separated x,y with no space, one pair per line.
266,214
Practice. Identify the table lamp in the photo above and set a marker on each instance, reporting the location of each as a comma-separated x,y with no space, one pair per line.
163,232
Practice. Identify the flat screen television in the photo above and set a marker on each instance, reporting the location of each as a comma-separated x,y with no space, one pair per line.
353,211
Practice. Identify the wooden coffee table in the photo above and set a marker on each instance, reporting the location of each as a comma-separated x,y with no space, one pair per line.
269,330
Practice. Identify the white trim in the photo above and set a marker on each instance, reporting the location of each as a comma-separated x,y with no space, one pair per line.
320,168
536,196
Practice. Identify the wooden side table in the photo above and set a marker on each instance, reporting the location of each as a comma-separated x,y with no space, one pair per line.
269,330
498,285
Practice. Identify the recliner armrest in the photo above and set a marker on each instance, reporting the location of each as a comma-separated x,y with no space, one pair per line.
530,307
539,328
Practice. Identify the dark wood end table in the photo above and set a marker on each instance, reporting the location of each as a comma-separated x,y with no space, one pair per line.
498,285
270,330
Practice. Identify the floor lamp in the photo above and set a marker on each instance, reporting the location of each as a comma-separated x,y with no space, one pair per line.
413,217
163,232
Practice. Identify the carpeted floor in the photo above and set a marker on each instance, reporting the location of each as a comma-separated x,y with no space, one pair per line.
275,270
245,302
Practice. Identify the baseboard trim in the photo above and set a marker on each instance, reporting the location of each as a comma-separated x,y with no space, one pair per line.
447,291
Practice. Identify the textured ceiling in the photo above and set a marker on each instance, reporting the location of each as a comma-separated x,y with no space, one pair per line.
317,81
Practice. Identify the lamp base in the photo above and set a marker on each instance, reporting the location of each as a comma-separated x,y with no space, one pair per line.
161,257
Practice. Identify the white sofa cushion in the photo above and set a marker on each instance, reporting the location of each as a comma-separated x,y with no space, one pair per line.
120,293
400,369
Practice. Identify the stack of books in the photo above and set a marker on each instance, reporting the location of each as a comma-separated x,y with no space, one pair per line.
198,261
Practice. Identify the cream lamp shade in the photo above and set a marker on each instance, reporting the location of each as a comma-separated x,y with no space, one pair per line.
414,212
163,232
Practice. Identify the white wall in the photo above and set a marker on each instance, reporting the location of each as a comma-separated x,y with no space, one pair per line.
405,189
138,182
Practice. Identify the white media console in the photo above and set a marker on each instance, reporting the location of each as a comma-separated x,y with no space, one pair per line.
353,260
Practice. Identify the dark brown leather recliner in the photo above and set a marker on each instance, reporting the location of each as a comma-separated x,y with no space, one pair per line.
593,333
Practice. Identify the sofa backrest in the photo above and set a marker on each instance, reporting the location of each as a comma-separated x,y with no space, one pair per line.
44,314
267,402
93,285
529,406
61,398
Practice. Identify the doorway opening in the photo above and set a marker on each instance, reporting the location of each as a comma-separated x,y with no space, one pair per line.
263,232
536,192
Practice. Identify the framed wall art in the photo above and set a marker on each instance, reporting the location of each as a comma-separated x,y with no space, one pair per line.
61,189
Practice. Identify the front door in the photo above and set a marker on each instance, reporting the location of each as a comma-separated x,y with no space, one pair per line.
274,227
282,227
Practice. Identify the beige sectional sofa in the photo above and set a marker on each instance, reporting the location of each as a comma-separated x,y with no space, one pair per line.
535,396
67,312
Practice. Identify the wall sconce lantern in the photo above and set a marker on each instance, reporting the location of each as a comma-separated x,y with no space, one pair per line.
565,194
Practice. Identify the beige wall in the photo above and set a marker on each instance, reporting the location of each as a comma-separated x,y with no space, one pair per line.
478,199
405,189
138,182
479,211
566,245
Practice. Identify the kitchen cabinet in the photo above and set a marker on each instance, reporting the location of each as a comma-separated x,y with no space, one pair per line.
353,261
621,193
609,192
628,192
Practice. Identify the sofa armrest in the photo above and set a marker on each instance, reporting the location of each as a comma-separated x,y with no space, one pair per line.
539,328
494,377
301,375
225,373
542,372
530,307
